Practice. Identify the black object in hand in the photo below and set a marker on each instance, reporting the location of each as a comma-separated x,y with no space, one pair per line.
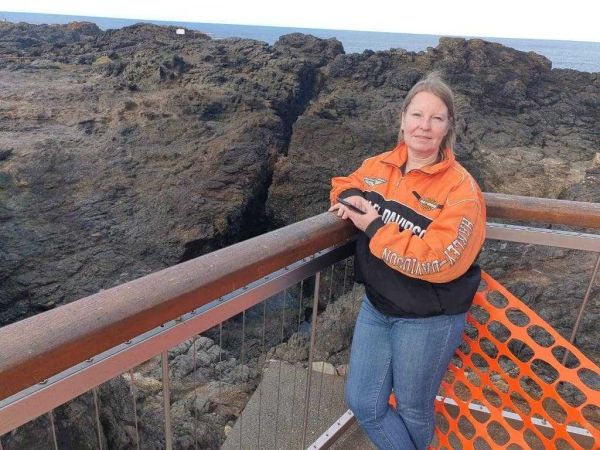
350,205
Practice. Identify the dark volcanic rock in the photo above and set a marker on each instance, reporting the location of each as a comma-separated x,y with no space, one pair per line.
126,151
35,38
523,128
157,148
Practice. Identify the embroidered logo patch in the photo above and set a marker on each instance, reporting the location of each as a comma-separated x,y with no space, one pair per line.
427,204
374,181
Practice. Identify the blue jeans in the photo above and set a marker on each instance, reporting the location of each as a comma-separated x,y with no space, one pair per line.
408,355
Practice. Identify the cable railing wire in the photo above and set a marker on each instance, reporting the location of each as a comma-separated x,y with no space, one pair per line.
53,429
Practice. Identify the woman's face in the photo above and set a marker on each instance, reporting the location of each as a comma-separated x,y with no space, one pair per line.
425,124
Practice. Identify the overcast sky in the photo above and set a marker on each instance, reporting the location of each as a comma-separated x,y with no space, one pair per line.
576,20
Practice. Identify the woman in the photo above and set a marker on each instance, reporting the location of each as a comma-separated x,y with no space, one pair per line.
423,226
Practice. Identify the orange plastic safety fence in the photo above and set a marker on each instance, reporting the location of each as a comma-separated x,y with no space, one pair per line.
507,387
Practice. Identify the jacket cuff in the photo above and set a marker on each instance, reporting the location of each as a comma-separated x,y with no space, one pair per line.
373,227
350,192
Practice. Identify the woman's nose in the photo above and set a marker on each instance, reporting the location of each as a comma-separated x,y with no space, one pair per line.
425,123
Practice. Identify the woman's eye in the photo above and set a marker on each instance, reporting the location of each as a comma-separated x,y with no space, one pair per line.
416,114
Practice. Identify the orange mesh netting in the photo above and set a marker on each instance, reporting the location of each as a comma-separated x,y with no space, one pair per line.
508,387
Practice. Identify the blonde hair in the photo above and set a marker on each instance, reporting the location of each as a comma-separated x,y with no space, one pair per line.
434,84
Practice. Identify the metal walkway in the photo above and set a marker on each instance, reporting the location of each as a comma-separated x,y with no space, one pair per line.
282,427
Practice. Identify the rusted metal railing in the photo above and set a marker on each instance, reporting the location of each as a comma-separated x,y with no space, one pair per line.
62,338
543,210
559,212
58,339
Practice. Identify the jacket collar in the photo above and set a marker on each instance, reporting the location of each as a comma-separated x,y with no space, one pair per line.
398,156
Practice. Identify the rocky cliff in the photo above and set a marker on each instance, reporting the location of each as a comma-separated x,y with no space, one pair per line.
126,151
129,150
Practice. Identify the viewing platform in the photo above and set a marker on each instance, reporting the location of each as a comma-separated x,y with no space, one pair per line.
246,347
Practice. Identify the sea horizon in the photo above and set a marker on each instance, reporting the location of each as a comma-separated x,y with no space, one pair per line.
577,55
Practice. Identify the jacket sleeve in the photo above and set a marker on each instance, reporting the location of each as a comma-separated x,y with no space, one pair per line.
448,248
344,187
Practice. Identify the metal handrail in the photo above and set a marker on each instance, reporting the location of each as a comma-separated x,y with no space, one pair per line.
544,210
90,326
43,397
38,347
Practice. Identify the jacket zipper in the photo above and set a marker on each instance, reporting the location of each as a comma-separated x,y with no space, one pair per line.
400,178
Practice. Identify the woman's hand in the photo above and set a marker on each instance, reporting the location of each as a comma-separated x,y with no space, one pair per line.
360,221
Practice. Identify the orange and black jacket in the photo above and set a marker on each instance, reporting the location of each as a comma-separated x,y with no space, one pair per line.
418,258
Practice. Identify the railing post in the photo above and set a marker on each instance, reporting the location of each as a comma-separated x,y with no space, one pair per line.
293,405
263,351
97,410
279,368
242,364
135,418
195,384
582,308
167,400
313,330
53,428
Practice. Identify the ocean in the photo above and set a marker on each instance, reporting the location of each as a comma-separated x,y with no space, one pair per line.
582,56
